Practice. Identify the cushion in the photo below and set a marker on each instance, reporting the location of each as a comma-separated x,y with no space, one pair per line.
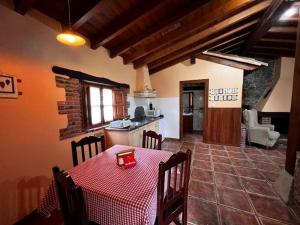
274,135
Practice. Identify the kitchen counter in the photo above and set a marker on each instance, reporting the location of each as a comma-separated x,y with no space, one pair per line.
136,124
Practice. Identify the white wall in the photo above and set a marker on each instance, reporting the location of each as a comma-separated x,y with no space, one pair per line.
281,96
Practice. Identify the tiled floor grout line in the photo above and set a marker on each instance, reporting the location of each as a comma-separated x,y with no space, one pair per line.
211,151
215,188
270,184
246,193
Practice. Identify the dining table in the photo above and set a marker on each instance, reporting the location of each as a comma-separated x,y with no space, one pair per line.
115,195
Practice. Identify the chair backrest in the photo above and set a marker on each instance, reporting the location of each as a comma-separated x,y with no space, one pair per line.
172,190
70,198
250,118
89,142
152,140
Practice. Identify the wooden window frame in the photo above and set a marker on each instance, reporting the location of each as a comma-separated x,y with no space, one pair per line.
86,109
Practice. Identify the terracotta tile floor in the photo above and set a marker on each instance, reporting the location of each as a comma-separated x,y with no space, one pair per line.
230,186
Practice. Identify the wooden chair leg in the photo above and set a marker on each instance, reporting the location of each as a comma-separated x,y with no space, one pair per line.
184,216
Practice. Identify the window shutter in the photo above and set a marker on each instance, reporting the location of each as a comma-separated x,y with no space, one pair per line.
120,104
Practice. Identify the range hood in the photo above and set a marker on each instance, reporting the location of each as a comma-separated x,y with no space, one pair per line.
143,84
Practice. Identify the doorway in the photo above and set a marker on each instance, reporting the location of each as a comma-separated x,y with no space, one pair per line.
193,100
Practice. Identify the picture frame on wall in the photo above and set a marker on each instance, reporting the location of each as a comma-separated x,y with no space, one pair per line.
8,86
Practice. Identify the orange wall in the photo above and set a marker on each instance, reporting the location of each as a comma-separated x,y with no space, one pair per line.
29,133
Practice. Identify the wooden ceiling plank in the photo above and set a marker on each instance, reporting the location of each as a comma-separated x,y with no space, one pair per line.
207,16
122,23
270,52
228,42
86,16
231,50
282,29
271,16
226,62
168,64
204,33
278,40
289,36
230,46
202,45
22,6
172,20
273,48
290,45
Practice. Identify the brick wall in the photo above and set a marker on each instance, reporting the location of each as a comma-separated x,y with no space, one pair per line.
71,107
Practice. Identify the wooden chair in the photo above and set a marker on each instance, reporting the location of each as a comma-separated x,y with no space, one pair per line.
70,199
152,140
172,190
89,141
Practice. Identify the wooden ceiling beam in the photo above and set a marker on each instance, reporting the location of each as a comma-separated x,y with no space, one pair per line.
191,40
91,9
272,52
278,40
238,65
271,16
232,45
275,44
223,44
153,70
122,23
207,16
233,50
283,29
287,23
173,20
204,44
156,69
22,6
288,36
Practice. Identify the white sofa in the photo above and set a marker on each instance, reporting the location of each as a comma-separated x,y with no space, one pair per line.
262,134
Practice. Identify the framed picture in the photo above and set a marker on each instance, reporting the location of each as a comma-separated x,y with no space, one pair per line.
216,98
8,86
229,97
221,91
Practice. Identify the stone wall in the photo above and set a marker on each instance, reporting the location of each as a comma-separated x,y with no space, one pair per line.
257,82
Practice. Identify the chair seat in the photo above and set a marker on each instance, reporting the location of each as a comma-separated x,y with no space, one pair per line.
274,135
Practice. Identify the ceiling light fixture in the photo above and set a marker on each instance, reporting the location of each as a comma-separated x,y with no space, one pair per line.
289,13
68,37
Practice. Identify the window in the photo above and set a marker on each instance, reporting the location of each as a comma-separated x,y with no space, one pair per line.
102,105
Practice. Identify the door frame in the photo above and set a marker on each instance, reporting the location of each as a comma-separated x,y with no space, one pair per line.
205,124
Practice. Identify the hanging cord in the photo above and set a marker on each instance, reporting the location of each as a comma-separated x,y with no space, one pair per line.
69,13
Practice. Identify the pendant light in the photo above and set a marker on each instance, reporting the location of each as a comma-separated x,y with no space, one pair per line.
68,37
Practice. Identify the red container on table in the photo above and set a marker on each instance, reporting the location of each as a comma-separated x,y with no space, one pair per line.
126,158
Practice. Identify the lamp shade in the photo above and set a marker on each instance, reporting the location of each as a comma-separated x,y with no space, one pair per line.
70,38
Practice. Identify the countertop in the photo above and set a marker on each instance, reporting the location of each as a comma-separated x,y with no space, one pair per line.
136,124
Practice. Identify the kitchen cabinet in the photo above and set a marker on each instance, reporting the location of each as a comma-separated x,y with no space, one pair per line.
187,123
132,137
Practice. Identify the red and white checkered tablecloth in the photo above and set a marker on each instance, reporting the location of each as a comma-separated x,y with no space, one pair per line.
114,195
